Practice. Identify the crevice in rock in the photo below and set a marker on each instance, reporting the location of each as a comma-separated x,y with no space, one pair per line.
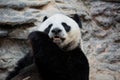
38,6
14,26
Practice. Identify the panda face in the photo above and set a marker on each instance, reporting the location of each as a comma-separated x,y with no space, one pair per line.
58,33
63,31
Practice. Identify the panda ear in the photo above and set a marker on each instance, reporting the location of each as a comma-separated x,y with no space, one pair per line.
45,18
77,19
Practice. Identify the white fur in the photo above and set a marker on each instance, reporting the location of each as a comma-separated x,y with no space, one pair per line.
73,36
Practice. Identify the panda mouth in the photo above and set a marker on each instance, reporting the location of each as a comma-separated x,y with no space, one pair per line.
57,39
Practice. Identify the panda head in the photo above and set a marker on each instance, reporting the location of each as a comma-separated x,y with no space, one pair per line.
63,30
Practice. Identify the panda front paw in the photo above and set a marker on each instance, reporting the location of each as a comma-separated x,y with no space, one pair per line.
38,40
37,35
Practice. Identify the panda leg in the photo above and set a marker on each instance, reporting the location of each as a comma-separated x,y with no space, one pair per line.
22,63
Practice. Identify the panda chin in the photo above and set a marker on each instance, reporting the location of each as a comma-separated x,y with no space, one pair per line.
58,40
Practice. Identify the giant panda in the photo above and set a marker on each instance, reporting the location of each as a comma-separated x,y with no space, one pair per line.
56,50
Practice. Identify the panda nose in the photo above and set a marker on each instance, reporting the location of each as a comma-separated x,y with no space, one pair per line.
56,31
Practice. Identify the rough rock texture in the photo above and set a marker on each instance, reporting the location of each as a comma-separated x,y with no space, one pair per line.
100,33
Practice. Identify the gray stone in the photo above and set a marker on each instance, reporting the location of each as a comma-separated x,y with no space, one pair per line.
111,0
3,33
12,50
106,15
101,49
104,77
117,18
104,22
19,34
99,34
10,19
19,4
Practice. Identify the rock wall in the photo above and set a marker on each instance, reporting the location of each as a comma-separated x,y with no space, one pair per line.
100,33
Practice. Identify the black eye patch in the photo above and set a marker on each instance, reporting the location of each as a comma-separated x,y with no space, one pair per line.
67,27
48,28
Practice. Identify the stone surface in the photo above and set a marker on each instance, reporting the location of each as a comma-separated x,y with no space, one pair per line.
107,15
10,18
3,33
100,32
20,4
11,50
104,77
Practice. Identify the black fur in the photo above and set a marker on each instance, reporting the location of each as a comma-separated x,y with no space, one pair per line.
67,27
52,62
22,63
45,18
77,19
48,28
56,64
